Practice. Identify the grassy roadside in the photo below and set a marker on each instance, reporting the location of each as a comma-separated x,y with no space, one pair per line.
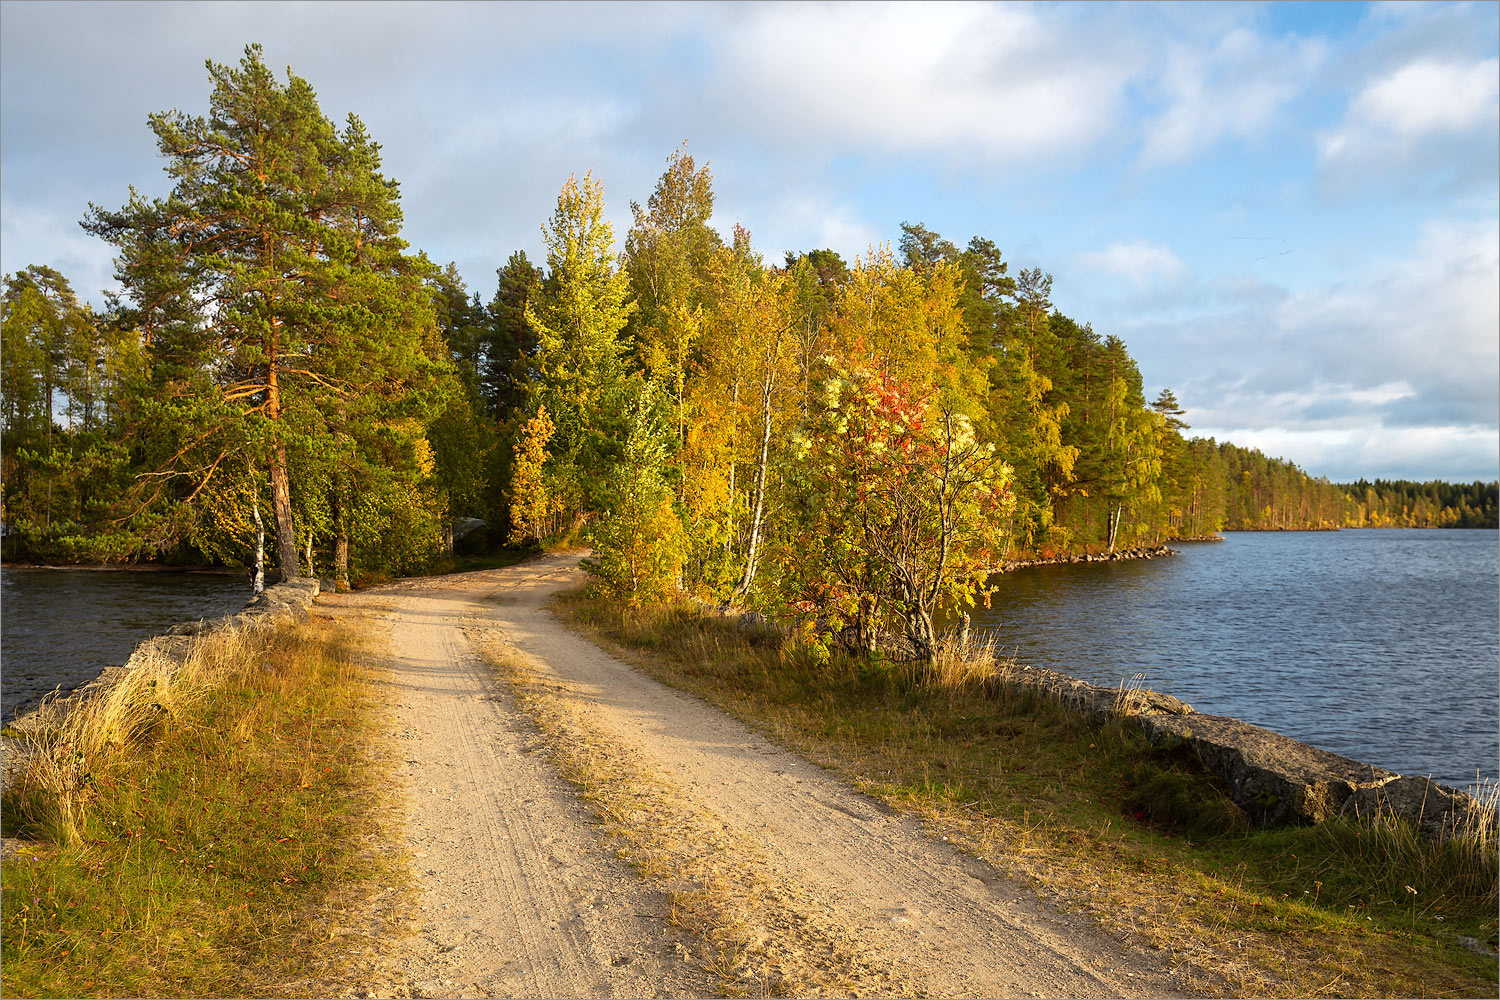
1139,837
205,833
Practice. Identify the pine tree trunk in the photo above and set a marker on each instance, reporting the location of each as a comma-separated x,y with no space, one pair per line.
341,557
310,570
281,487
281,509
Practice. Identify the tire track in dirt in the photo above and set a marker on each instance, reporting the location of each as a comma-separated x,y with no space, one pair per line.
517,893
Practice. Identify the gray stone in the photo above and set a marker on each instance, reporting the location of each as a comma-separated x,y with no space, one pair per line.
1098,703
1436,810
1276,779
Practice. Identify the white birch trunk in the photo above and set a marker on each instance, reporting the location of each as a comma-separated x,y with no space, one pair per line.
259,583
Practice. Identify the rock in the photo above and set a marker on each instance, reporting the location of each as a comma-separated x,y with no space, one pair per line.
1099,703
1274,778
1147,702
1436,810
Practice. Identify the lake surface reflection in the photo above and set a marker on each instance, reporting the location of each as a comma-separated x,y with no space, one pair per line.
62,626
1380,645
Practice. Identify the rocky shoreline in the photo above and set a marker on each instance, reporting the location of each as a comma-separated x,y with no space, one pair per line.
1277,780
1119,555
280,604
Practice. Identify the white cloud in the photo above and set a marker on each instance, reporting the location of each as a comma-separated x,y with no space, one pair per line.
997,81
1431,97
1462,453
1432,318
1233,89
1381,394
1401,354
57,242
1413,115
1141,262
795,218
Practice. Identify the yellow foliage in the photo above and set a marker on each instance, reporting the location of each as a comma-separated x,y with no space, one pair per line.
534,508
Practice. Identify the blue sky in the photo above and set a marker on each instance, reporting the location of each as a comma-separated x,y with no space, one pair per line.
1289,212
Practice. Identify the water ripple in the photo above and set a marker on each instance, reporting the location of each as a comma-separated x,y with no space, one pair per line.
1380,645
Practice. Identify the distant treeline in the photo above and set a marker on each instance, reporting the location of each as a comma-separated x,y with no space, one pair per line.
1243,490
861,440
1404,504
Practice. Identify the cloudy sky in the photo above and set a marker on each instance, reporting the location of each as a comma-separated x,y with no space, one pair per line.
1288,212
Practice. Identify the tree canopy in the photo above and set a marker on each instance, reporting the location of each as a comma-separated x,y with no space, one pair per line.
853,444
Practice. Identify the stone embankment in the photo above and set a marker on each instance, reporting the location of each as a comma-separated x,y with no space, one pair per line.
284,603
1277,780
280,604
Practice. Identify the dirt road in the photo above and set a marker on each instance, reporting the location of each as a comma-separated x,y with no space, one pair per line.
523,894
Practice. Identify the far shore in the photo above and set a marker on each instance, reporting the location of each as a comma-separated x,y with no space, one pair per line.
131,568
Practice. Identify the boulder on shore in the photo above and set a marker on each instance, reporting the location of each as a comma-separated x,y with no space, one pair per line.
1274,778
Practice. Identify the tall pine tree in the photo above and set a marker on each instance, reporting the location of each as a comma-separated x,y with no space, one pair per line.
279,299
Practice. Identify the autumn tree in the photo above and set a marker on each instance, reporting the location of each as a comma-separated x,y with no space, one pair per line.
740,402
638,540
534,505
578,316
913,502
896,502
666,251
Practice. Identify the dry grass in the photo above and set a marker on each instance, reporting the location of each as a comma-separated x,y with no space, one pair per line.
68,741
211,825
1137,836
965,661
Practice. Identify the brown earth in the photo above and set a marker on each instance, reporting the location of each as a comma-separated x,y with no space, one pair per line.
521,891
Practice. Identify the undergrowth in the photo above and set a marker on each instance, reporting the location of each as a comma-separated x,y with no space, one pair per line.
1139,836
189,832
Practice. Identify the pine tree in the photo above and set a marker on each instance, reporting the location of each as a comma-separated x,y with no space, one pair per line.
272,284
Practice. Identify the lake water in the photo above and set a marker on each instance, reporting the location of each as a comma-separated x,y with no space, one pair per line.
62,626
1382,645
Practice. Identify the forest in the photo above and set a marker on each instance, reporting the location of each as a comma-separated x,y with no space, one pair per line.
863,441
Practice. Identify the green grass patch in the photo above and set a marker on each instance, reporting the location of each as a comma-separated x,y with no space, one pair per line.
206,856
1139,836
